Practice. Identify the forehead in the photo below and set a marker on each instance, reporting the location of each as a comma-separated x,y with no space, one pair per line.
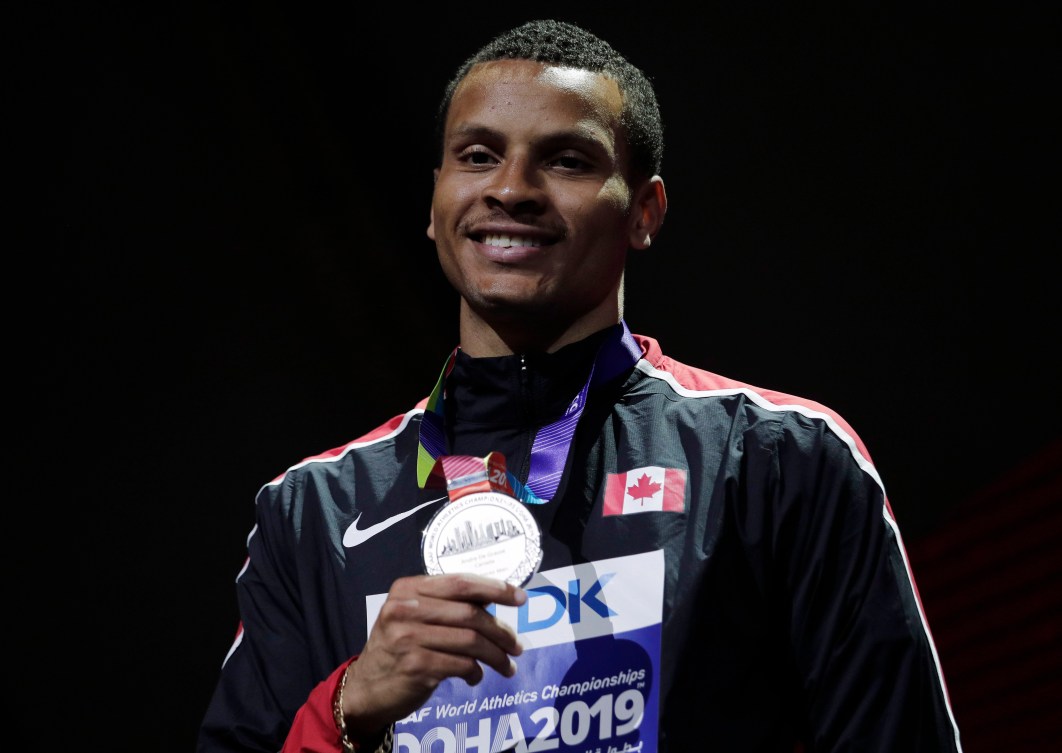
529,90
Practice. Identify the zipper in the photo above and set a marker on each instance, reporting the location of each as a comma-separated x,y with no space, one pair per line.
527,399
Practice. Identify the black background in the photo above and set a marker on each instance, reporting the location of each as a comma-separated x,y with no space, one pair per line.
225,269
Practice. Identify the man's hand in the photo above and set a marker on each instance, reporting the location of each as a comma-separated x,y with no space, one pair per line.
430,628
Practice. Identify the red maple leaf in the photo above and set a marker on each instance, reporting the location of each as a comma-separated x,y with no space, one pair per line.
643,489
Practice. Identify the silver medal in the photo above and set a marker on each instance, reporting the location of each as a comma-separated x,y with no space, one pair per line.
486,533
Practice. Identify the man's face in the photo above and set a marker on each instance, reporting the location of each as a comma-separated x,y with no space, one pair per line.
531,212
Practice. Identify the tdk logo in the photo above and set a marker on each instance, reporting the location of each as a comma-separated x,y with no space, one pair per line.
548,605
576,602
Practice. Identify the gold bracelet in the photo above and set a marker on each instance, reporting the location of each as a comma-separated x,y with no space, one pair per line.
349,746
337,714
388,741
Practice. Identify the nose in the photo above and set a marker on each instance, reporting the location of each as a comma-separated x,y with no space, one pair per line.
515,186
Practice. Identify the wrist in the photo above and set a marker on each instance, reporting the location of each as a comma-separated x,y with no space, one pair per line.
382,742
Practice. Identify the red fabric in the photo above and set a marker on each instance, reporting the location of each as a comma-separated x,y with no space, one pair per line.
314,729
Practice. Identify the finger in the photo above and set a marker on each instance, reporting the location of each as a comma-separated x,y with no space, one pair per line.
471,644
456,600
423,668
407,671
450,626
462,587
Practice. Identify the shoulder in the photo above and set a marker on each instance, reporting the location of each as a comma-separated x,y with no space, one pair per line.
330,460
697,383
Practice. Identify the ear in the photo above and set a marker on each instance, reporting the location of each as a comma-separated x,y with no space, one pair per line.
431,213
647,215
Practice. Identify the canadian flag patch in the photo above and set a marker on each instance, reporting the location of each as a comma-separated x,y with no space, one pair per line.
646,489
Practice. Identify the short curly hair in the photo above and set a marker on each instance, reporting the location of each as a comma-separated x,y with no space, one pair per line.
565,44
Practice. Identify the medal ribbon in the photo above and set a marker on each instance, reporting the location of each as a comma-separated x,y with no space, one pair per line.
465,474
549,449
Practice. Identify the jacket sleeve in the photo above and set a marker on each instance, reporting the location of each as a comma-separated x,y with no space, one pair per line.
314,729
267,677
860,643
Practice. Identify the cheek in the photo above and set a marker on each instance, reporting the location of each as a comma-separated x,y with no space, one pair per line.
604,215
605,210
451,196
616,194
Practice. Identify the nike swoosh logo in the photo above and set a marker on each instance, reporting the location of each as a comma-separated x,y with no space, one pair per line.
355,535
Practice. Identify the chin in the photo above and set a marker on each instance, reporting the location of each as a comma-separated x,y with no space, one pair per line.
507,296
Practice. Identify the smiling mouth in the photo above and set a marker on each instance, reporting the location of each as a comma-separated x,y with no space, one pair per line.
509,241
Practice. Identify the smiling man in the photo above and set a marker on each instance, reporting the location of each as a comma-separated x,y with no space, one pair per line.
537,204
574,542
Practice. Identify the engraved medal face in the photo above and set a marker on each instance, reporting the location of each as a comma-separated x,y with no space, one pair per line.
486,533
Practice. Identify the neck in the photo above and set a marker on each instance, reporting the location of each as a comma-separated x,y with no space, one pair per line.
481,338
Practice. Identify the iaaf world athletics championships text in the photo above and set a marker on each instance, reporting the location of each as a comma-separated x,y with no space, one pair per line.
492,703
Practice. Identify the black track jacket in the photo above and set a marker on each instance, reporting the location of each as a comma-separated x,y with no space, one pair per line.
790,616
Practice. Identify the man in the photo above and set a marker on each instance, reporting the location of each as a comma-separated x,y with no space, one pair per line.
672,560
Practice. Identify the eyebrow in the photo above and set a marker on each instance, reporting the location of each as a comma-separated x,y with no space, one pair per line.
589,138
473,131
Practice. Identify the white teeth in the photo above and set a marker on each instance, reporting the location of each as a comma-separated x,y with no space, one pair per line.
509,241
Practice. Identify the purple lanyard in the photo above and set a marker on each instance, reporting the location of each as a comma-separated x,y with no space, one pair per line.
549,450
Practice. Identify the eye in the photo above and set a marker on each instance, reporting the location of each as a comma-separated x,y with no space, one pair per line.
477,155
571,162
